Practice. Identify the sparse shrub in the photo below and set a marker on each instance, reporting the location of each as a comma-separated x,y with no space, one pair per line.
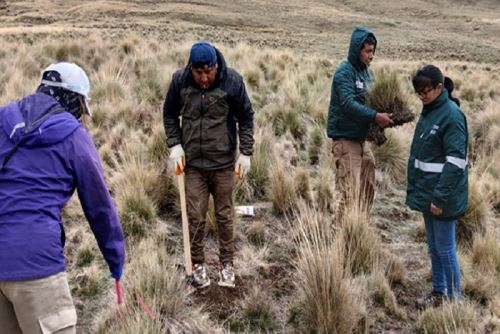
450,318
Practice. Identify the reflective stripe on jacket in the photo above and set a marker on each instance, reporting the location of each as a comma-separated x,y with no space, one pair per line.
437,168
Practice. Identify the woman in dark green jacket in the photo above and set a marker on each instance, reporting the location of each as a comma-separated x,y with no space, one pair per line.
437,178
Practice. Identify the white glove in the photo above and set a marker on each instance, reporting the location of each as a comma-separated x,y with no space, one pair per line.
178,158
242,165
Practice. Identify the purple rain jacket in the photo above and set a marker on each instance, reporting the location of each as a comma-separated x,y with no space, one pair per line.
52,159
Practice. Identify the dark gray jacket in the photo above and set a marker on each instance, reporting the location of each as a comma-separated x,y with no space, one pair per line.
204,121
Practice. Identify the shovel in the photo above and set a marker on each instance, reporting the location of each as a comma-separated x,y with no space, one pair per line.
185,227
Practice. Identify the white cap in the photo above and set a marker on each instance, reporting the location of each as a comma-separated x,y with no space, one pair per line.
73,78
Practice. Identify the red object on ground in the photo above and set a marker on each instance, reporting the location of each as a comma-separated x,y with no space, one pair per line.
118,288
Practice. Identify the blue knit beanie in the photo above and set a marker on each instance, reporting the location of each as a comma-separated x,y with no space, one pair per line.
202,53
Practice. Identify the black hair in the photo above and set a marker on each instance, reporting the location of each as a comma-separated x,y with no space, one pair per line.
449,85
427,76
370,40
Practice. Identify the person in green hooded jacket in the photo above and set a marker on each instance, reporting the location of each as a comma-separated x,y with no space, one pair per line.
349,119
437,178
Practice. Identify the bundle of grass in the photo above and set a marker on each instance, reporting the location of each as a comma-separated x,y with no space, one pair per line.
386,95
256,233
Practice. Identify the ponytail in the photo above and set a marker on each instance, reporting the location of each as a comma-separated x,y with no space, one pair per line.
448,84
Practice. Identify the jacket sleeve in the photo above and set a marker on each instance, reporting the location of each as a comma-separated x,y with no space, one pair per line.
171,113
455,149
243,112
96,202
343,82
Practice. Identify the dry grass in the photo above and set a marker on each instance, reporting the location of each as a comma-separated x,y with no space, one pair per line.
290,95
476,217
387,95
450,318
330,304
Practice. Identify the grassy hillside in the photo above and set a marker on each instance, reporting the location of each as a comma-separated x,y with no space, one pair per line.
299,269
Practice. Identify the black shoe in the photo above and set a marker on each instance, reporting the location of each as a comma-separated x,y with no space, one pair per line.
432,299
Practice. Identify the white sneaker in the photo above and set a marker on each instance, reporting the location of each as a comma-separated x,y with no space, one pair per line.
200,276
226,275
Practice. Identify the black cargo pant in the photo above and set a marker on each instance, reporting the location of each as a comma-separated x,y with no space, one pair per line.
199,185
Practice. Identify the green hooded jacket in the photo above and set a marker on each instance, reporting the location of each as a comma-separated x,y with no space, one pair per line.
437,168
348,116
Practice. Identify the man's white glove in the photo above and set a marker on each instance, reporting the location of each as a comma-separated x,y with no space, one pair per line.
242,165
178,158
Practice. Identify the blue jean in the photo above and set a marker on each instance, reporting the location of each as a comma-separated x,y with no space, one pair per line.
444,259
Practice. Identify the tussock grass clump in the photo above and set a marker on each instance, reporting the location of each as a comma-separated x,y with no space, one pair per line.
387,95
325,189
381,294
256,233
315,143
85,256
391,158
475,219
257,309
258,175
485,253
330,302
89,283
282,190
481,287
361,245
450,318
394,268
137,213
302,185
151,278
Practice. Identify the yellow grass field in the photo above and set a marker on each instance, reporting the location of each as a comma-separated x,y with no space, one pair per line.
298,269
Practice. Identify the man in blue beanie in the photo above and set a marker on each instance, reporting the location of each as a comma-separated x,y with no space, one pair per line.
214,106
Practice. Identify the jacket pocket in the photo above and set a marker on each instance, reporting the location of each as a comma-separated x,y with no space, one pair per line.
57,321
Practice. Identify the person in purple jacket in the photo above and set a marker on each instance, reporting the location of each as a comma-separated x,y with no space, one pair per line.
45,154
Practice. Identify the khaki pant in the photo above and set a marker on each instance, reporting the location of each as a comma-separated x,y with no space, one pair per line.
355,175
42,306
199,186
